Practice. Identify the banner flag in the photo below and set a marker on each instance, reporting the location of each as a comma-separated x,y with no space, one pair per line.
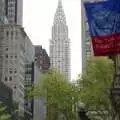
104,25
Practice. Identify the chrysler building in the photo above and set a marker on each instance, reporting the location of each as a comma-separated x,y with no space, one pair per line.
60,43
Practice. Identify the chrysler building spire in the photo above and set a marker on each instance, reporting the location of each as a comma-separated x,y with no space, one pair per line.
60,3
60,43
59,15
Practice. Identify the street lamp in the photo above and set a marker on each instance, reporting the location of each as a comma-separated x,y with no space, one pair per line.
115,94
82,112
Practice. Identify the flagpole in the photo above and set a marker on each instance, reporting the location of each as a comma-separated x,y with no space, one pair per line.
105,42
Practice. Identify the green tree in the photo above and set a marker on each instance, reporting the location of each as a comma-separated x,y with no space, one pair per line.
60,95
3,113
95,84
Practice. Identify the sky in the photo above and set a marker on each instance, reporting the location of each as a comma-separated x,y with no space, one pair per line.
38,18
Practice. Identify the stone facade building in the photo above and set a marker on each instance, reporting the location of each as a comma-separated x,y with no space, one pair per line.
14,11
3,18
12,61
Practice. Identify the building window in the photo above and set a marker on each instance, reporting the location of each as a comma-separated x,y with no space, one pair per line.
6,55
10,78
15,71
6,49
5,78
7,33
10,71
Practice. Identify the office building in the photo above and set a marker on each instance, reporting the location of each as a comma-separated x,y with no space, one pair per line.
34,108
29,76
3,19
14,11
12,65
39,109
60,43
2,6
6,99
42,59
86,40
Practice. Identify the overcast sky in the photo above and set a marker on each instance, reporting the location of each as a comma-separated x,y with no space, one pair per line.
38,19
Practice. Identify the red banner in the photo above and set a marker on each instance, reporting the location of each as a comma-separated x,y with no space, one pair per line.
104,26
106,45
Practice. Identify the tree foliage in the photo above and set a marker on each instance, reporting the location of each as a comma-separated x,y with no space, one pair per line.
60,95
95,85
3,113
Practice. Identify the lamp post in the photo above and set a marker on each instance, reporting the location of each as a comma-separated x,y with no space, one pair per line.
115,94
82,112
115,90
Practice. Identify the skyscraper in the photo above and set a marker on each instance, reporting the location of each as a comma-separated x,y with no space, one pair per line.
86,40
12,61
3,19
60,43
14,11
1,10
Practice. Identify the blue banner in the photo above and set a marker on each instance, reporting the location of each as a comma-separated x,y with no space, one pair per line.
103,17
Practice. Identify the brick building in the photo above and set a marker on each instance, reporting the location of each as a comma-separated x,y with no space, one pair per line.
42,58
